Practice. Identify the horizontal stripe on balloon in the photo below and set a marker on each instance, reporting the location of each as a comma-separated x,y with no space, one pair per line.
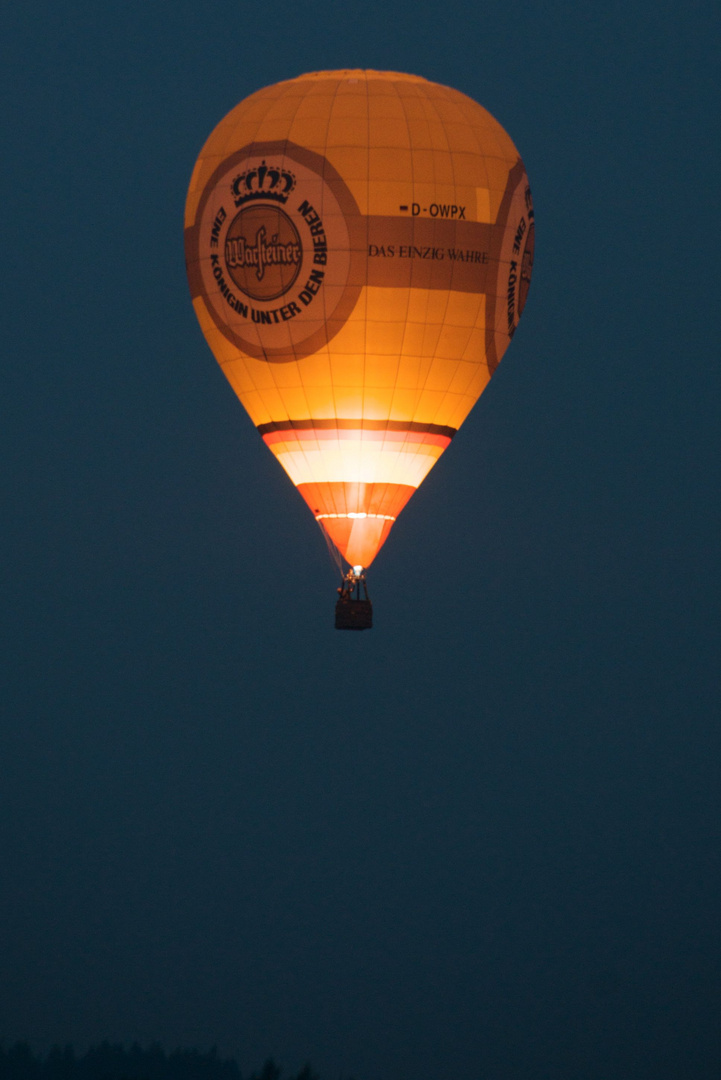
355,425
400,251
303,437
342,499
361,516
357,460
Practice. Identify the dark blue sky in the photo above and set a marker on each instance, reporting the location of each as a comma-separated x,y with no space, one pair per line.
483,839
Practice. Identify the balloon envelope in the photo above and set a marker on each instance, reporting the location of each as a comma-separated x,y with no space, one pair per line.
359,247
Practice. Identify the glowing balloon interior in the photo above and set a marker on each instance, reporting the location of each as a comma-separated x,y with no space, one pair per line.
359,248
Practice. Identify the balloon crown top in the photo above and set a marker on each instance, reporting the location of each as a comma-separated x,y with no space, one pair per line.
362,75
263,182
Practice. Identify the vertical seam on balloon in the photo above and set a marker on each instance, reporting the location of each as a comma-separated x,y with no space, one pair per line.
461,107
368,215
468,113
448,292
325,158
367,218
296,361
268,106
368,182
455,187
408,299
427,108
230,142
393,87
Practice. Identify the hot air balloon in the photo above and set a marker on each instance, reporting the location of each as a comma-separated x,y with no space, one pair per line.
359,247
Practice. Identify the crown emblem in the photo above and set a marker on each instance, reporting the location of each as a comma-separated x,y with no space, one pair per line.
264,182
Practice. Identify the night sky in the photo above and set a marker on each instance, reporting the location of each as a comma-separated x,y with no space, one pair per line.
482,840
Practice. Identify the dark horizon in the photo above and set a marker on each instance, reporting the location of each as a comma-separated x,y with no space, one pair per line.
112,1061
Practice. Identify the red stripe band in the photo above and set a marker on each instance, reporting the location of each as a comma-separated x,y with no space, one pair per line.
328,434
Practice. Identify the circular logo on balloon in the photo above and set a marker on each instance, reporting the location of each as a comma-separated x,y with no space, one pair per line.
272,249
263,252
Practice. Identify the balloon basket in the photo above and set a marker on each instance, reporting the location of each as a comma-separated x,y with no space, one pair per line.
353,611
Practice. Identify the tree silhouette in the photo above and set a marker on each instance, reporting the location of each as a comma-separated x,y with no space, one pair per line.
111,1061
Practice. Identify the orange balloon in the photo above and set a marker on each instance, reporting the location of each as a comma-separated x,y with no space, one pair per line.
359,248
